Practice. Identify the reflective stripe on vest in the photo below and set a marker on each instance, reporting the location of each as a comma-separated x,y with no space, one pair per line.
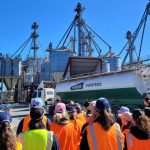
27,120
118,137
130,142
93,137
49,140
21,137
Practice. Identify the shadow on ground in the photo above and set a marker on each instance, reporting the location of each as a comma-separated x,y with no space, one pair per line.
18,116
27,109
21,106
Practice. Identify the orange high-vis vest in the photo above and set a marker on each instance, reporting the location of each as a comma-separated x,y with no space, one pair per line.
82,116
78,127
27,120
66,135
100,139
136,144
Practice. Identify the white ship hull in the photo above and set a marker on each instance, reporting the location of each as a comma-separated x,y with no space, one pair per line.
115,85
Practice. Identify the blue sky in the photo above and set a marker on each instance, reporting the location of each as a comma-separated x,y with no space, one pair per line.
109,18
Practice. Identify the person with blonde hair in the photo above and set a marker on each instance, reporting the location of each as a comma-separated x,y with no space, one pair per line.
7,137
64,129
124,118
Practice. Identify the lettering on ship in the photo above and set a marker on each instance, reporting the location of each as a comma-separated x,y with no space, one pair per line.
77,86
93,84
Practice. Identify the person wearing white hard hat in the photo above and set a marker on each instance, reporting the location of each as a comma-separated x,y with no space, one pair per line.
24,123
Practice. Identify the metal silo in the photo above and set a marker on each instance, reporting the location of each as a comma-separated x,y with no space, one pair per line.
110,59
105,66
1,65
58,60
17,65
45,71
8,67
118,63
115,63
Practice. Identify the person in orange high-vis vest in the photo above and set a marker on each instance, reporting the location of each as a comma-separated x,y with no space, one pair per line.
66,135
77,124
80,115
64,129
98,138
103,133
27,120
24,123
90,118
138,137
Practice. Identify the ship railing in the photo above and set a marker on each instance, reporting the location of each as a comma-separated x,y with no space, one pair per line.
93,74
80,76
137,68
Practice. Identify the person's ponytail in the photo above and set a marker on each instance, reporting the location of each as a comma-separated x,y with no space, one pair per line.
7,137
106,119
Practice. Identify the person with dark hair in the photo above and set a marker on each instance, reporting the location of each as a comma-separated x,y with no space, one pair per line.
138,137
80,114
57,99
37,137
7,137
147,105
86,108
147,101
103,133
77,123
24,123
147,111
91,117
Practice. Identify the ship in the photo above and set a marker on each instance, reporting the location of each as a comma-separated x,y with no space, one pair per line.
88,77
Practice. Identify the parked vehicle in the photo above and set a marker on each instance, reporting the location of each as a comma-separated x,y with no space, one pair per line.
46,92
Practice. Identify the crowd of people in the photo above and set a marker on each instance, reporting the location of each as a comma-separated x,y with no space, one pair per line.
73,128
